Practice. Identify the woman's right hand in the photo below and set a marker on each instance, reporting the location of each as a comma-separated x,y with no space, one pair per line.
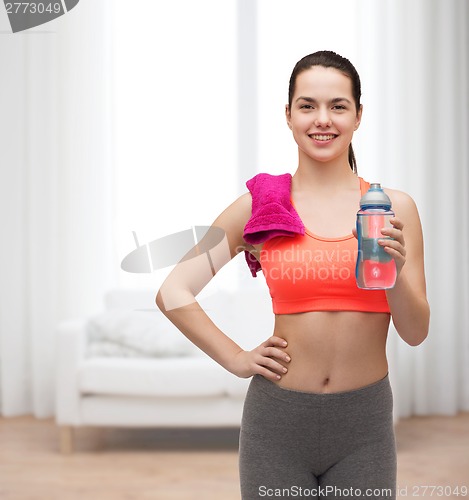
263,360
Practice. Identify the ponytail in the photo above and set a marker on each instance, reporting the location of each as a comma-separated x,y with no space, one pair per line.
351,159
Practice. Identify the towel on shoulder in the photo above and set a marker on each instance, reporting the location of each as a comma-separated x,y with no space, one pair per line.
272,213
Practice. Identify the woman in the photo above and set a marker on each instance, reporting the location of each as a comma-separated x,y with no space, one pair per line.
317,418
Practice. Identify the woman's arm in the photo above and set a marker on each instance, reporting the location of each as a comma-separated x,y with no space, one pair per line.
176,298
407,300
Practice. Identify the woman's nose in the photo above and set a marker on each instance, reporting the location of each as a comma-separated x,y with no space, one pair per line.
323,119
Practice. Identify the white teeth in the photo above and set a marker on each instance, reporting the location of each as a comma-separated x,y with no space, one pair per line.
322,137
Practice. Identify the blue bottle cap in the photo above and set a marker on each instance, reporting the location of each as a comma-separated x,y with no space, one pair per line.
375,197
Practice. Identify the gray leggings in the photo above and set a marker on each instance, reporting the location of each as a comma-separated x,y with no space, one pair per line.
309,445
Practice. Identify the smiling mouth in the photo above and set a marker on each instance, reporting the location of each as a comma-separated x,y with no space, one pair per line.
323,137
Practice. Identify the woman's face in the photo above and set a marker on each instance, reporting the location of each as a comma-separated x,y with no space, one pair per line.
323,116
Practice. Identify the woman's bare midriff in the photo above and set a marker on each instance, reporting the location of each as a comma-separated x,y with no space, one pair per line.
333,351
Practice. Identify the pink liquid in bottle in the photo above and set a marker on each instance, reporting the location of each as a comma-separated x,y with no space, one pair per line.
379,274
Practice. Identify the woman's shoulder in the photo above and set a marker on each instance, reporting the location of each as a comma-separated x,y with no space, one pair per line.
241,207
232,221
236,215
400,197
402,202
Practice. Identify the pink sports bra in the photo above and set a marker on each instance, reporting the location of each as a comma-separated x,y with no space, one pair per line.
311,273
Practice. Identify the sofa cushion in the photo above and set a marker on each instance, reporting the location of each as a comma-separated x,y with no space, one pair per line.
245,316
169,377
134,333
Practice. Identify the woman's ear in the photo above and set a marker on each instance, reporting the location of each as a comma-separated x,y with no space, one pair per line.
359,117
288,115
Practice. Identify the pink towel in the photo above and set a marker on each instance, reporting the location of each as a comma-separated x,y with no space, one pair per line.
272,213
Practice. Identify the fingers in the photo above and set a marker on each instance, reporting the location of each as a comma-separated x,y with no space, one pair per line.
275,352
270,355
266,360
395,233
394,244
397,252
268,374
270,368
397,223
275,341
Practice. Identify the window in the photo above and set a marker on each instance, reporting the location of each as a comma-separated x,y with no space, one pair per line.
174,119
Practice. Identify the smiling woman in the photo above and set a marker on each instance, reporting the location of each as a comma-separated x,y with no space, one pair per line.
320,108
318,411
329,106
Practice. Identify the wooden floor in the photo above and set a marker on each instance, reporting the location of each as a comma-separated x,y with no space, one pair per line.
117,464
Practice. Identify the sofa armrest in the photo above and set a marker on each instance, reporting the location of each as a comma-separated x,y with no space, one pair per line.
71,338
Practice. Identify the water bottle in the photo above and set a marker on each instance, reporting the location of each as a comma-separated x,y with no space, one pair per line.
375,268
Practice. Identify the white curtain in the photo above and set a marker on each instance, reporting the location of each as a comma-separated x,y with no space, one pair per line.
56,196
174,119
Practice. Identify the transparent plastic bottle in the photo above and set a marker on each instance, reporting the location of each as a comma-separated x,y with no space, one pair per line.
375,268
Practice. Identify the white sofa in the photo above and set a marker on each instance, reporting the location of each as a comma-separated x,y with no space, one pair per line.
180,389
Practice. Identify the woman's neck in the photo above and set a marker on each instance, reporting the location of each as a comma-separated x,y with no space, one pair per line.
314,175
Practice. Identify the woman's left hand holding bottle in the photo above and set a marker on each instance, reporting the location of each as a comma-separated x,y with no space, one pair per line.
394,243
